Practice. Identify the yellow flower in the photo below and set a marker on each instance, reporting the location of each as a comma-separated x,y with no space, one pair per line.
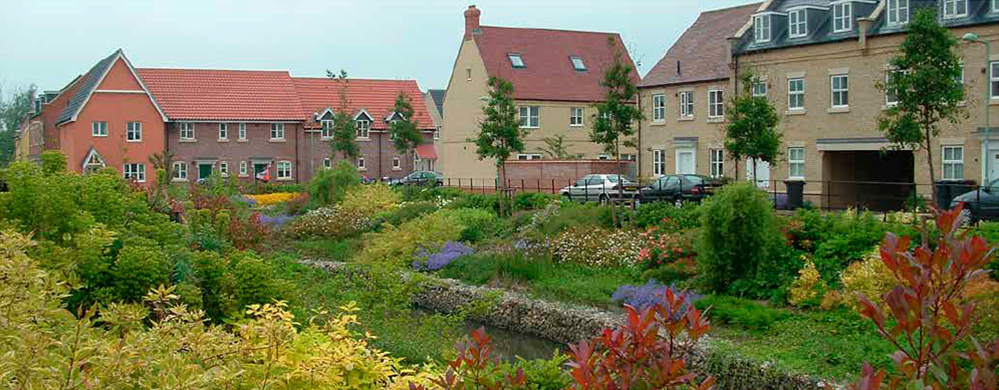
275,198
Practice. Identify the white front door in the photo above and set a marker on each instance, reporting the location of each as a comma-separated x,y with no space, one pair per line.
993,165
685,162
762,174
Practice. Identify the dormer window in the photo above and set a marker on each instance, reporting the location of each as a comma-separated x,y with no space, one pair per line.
515,60
761,27
955,8
797,23
898,12
577,63
37,106
842,17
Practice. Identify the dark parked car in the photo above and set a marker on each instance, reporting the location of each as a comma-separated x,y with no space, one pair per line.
982,203
677,188
419,178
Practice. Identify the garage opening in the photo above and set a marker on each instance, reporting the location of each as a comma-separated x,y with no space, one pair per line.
874,180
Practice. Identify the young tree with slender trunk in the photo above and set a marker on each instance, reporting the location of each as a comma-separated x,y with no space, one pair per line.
405,132
344,127
499,132
751,131
612,125
925,79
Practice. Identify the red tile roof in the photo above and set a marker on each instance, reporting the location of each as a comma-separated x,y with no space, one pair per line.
426,151
701,49
377,97
548,73
201,94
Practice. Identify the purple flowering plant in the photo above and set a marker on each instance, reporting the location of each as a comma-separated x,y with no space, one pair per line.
427,259
647,295
277,220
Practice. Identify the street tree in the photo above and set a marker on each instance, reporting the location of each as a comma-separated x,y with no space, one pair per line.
751,131
499,131
344,127
616,115
404,131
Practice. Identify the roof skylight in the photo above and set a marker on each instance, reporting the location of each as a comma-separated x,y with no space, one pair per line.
577,63
516,61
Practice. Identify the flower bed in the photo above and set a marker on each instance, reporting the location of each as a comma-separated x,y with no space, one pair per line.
273,198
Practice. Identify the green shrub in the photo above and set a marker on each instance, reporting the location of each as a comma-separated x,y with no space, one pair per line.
479,224
668,216
329,186
438,195
329,222
740,312
370,199
488,202
395,245
260,188
53,161
575,215
255,281
330,250
533,200
739,234
990,232
404,213
597,247
138,269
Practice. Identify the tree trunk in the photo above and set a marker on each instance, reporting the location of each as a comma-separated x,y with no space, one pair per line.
933,176
756,179
502,197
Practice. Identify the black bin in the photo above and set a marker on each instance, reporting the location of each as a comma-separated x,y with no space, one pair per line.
947,190
795,193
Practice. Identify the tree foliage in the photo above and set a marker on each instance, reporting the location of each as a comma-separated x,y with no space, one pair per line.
616,115
499,132
751,131
405,132
556,148
925,78
13,112
344,126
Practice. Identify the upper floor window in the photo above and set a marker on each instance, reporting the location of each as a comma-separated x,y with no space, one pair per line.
761,28
796,94
99,129
530,117
327,126
994,79
955,8
223,131
995,5
797,23
687,104
187,131
716,104
133,131
437,132
842,17
898,12
659,107
891,97
516,61
135,172
576,116
242,131
277,130
363,128
759,89
840,91
577,63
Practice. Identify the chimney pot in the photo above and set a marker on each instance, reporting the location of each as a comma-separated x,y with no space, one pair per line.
472,22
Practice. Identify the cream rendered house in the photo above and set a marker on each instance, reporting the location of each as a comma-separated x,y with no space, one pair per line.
555,74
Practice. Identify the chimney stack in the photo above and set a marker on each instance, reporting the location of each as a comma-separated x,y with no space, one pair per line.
472,22
863,26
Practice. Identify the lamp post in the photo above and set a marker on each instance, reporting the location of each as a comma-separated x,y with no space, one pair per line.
973,38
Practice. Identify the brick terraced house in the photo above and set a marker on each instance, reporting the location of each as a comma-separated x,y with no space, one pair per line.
556,78
234,122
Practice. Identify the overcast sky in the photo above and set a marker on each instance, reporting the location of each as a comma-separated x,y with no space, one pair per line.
48,42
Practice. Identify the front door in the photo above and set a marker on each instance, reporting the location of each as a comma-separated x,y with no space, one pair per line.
993,165
204,170
762,174
258,169
685,162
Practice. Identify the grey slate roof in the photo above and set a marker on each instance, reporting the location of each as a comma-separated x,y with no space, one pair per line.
90,81
820,28
438,96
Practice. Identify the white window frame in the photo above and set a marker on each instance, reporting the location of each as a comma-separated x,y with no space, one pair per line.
223,131
792,93
396,164
363,127
437,132
693,158
187,131
133,131
604,157
327,162
716,103
135,171
716,162
529,119
842,17
179,171
761,28
889,102
516,60
995,5
843,91
659,108
897,12
326,129
242,132
658,162
687,104
284,170
243,168
797,23
529,156
760,89
577,63
994,80
224,168
99,128
796,161
952,162
277,131
360,164
576,116
953,5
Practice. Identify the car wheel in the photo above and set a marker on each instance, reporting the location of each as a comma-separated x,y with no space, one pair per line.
566,197
604,199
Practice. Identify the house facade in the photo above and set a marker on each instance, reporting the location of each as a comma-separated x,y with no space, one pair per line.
251,125
684,96
820,63
556,78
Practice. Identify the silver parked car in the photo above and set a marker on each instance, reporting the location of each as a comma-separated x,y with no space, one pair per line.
600,188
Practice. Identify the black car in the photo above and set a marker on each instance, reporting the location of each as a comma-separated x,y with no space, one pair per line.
419,178
676,188
982,203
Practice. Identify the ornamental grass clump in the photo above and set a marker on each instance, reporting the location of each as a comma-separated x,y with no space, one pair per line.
597,247
427,259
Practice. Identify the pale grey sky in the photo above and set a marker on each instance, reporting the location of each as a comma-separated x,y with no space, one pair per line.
48,42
